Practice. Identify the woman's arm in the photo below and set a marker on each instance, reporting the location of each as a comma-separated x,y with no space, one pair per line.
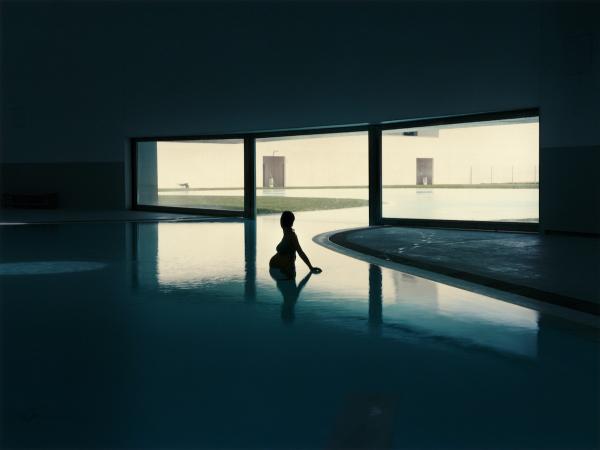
300,251
303,255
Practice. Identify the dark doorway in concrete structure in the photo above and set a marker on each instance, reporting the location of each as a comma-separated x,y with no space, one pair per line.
424,171
273,171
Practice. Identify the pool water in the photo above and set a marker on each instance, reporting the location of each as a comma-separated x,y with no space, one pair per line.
175,335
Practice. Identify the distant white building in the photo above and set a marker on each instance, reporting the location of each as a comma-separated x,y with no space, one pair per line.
497,152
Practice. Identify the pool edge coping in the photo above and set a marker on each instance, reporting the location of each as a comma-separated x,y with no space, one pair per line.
489,287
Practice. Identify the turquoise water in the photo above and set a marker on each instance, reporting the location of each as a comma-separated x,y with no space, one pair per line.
168,335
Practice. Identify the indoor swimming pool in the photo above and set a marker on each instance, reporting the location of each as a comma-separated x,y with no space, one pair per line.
174,335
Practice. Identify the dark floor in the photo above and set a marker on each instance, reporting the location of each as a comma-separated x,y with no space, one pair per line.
564,270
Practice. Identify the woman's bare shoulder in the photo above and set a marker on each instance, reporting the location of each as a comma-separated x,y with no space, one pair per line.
295,240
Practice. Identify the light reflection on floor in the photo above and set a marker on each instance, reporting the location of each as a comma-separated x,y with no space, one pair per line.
183,339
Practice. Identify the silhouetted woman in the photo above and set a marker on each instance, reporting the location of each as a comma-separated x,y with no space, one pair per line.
285,258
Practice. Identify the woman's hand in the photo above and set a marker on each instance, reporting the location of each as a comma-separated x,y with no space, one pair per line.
316,270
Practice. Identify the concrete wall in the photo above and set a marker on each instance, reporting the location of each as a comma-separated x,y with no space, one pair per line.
147,173
79,79
497,152
201,164
94,185
477,154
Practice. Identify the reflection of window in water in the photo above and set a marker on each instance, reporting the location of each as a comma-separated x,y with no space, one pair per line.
492,323
195,252
407,286
441,310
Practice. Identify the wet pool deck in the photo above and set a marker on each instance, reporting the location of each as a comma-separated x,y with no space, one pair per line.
35,216
563,270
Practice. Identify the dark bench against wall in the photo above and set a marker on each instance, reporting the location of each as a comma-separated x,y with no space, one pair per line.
37,201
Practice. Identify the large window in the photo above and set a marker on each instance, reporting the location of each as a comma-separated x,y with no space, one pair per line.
478,171
206,174
314,174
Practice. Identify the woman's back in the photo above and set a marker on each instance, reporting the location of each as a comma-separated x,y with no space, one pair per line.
287,245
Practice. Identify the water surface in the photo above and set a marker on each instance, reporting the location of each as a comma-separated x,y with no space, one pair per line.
167,335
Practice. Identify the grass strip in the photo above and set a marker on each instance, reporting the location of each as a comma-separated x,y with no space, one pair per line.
264,205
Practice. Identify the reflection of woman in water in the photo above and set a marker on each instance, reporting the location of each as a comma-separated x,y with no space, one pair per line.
285,258
290,292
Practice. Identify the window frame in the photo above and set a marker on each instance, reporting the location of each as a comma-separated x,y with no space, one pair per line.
374,169
488,225
136,206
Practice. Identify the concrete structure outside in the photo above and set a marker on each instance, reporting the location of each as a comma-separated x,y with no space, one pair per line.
470,154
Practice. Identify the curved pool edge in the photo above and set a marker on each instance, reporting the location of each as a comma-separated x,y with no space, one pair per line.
490,290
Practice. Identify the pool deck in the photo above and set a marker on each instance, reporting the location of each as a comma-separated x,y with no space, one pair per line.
562,270
40,216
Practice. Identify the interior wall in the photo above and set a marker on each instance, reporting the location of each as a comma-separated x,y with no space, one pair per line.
79,79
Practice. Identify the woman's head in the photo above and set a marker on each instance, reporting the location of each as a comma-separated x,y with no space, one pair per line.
287,219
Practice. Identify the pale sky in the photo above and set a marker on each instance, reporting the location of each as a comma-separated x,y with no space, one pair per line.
459,153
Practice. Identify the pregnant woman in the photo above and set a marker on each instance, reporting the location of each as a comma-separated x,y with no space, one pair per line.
285,258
